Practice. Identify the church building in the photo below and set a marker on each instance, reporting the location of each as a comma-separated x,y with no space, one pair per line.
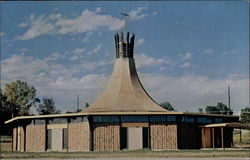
124,117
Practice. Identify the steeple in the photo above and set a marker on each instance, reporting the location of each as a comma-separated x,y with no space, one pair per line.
124,44
124,92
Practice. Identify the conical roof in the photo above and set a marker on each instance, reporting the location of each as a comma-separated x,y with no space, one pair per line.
124,92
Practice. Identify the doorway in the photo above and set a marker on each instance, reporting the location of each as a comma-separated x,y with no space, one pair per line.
57,139
134,138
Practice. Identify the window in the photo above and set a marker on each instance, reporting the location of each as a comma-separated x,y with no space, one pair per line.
124,138
49,135
65,139
145,137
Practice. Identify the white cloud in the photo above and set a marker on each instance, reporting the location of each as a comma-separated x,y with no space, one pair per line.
191,92
155,13
185,56
56,80
87,37
88,21
184,65
76,54
92,65
38,26
80,53
139,42
2,34
98,9
136,14
79,50
228,52
24,49
90,81
56,9
58,25
96,49
53,57
143,60
208,51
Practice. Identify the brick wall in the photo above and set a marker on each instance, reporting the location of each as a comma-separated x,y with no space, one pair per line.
22,138
106,137
35,138
163,136
14,139
18,139
78,136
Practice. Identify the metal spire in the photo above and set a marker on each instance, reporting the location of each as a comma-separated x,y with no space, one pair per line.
125,20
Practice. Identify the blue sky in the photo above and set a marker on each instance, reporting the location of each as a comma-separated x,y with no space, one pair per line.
186,52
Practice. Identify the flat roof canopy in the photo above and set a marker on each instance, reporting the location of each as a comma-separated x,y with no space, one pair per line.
114,113
232,125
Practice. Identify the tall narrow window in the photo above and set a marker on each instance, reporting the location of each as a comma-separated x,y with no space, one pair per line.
65,139
145,137
124,138
49,133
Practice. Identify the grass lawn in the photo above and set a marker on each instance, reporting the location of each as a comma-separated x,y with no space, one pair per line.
235,152
5,144
140,153
245,138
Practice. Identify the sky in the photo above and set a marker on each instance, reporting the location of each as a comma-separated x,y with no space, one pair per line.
186,53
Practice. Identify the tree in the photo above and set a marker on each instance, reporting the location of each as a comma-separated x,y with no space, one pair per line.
5,114
19,94
47,107
212,110
220,108
86,105
167,106
4,103
200,110
245,115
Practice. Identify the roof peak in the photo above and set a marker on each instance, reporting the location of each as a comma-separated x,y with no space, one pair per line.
125,92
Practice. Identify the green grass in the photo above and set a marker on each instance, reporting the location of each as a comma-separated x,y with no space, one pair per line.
245,137
137,153
5,143
238,152
5,137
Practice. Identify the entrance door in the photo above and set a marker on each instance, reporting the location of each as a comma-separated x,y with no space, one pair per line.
57,139
135,140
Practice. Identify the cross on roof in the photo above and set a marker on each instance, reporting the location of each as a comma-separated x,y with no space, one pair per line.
125,20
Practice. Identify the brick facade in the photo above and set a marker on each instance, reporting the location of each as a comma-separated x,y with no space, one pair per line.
18,143
21,138
106,137
35,138
163,136
79,136
14,139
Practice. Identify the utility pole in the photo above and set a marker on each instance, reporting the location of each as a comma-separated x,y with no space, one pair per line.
229,97
77,105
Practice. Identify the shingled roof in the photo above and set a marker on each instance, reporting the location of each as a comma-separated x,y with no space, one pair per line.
124,93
